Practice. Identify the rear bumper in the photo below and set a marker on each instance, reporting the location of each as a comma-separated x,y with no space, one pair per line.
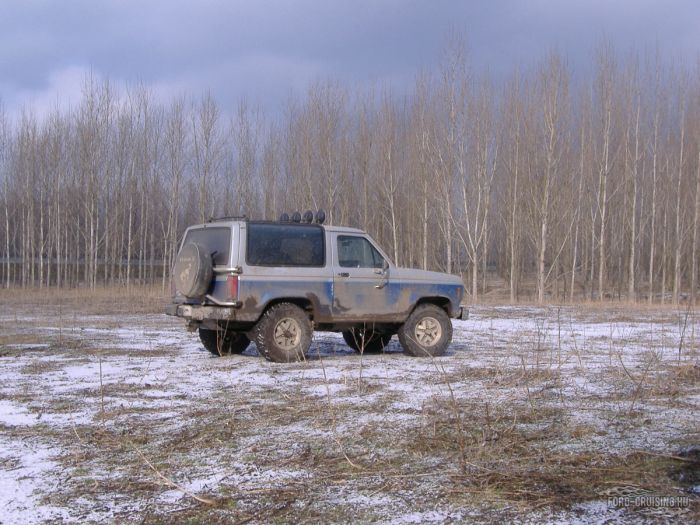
193,312
462,312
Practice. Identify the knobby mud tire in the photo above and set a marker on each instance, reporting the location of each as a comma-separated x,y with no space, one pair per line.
283,334
427,332
221,343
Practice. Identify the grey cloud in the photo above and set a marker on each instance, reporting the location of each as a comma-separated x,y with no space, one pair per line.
264,49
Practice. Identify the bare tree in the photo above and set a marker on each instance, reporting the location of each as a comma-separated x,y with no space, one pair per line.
389,182
632,160
512,163
208,151
553,194
605,92
4,174
547,152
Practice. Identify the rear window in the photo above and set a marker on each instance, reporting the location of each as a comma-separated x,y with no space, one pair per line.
285,245
216,241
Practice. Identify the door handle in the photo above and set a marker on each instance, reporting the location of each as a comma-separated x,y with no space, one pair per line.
344,274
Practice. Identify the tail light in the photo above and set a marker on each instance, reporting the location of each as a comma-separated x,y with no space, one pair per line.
233,287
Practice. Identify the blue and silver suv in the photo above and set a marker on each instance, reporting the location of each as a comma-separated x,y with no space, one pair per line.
274,283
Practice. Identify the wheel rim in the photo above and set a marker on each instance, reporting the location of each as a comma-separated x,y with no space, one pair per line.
428,331
287,333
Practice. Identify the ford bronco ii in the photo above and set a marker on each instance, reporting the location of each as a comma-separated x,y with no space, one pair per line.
237,280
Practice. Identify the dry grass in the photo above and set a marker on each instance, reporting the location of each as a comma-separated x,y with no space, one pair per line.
102,300
497,431
151,298
514,454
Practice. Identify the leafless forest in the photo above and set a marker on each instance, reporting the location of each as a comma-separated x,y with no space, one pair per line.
557,183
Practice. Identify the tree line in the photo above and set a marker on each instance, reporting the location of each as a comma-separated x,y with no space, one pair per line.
551,184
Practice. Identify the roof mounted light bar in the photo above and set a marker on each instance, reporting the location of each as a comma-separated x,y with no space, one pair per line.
307,218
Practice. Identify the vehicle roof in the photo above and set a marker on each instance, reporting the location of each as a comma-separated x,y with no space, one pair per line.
343,229
231,222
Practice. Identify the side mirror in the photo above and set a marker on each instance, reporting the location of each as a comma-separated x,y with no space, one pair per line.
383,273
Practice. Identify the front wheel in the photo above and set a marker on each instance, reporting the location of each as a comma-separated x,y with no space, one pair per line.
222,343
427,332
283,334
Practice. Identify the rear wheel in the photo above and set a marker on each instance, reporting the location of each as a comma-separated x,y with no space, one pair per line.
366,340
283,334
427,332
222,343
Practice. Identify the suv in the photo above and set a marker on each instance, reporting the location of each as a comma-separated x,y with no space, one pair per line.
237,280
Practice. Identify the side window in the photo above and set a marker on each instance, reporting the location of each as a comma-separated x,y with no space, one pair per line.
357,252
285,245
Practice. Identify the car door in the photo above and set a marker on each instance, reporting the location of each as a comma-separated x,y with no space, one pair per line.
361,284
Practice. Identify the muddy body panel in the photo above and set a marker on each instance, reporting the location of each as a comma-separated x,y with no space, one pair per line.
362,302
257,293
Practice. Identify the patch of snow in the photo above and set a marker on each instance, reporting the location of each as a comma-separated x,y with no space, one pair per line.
148,369
12,414
430,516
24,346
27,474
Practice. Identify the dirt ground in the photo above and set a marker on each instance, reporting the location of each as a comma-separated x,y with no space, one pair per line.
537,414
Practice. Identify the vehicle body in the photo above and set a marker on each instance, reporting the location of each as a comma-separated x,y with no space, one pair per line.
338,277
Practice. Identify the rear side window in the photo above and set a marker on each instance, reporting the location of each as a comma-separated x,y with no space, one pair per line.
216,241
285,245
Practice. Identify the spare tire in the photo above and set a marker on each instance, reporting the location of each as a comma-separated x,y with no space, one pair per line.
193,270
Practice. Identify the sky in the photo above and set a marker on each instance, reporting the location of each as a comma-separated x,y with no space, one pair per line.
268,50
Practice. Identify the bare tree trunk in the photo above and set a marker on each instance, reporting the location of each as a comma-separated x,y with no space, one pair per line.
605,94
7,241
631,292
603,213
129,242
664,253
484,255
7,236
654,177
95,251
41,237
694,248
577,217
513,220
543,247
677,229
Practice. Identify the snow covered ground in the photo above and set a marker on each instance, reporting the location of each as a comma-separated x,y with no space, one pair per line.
535,415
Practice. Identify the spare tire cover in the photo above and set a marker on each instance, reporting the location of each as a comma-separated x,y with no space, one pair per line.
193,270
